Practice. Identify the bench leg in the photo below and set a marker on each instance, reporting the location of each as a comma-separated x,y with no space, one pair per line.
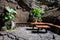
38,30
33,27
46,30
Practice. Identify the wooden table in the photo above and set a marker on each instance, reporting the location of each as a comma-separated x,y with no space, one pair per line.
43,25
40,25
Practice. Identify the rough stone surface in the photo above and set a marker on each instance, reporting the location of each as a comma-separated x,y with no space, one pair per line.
27,4
22,34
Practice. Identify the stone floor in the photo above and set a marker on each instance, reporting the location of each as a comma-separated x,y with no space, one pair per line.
22,34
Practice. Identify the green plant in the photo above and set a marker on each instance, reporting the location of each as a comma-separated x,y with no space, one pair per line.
37,13
9,16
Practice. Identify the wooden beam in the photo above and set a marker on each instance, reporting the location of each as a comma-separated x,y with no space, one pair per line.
40,23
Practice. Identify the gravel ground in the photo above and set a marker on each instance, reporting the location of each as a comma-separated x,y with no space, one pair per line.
22,34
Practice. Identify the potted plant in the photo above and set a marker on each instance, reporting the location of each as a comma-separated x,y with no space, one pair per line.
37,15
9,17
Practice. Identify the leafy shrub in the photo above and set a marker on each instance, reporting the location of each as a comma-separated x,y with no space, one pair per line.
37,13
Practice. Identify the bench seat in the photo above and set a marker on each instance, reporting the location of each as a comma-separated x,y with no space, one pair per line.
42,26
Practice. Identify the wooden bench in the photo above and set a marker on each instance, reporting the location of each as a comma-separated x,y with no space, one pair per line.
40,25
44,25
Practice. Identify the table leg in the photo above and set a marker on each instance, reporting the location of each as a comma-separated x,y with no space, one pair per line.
38,30
33,27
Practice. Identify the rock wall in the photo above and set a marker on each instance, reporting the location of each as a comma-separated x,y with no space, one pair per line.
22,16
25,8
29,4
52,17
